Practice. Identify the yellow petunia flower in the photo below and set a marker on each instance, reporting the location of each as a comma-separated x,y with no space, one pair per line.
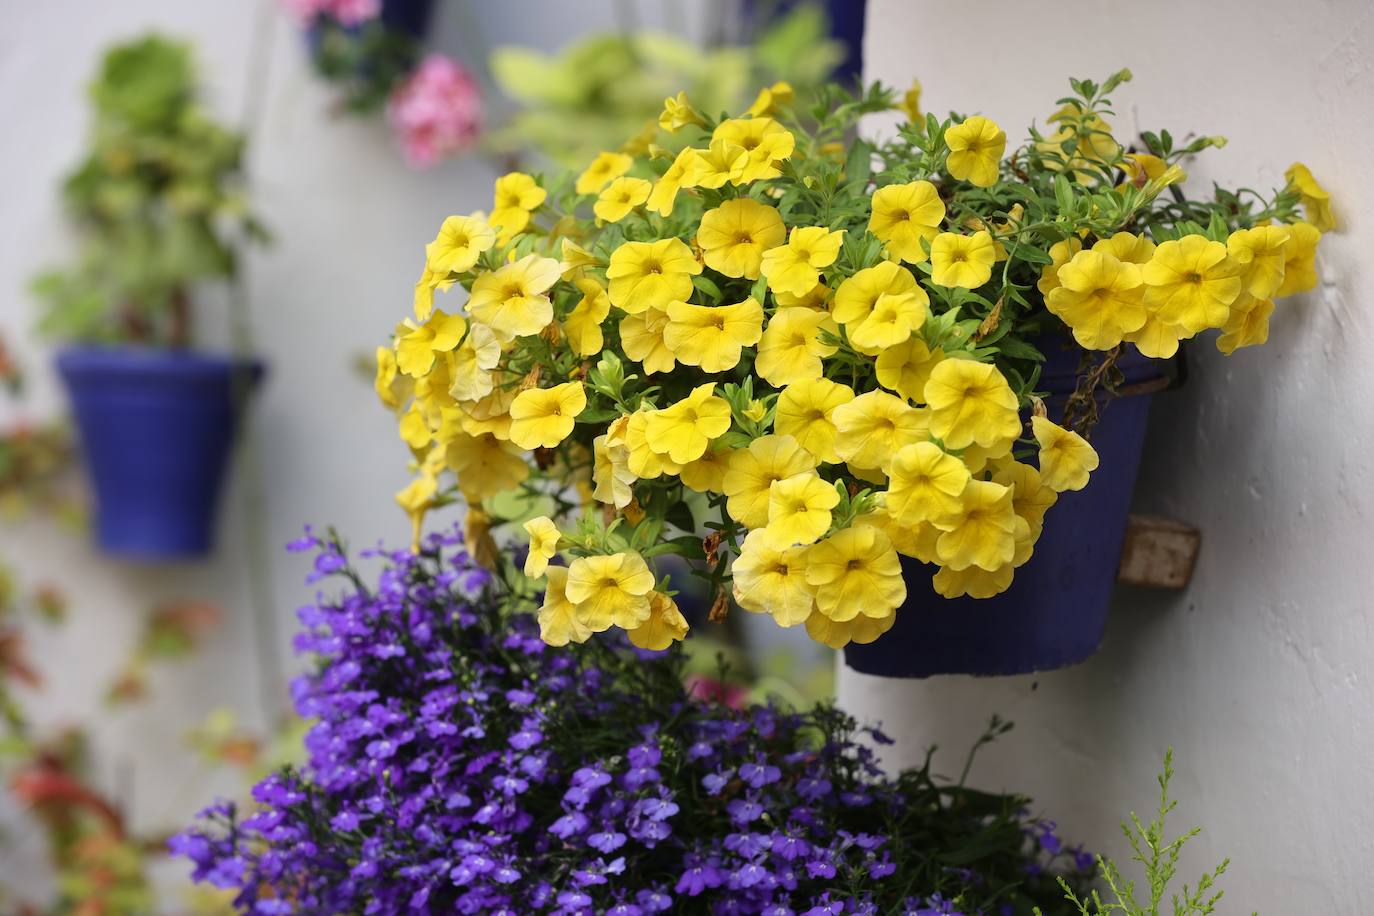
516,197
643,461
924,484
1156,338
712,336
734,236
605,168
1031,498
805,411
1191,282
712,167
460,242
906,368
416,349
1100,297
512,300
975,150
678,113
583,324
1060,253
1262,252
664,626
666,188
856,296
790,349
558,622
836,634
683,430
491,414
982,531
816,298
971,403
910,105
962,260
1136,249
417,499
485,465
641,337
799,509
544,537
905,215
1141,168
765,142
754,469
620,198
1248,325
544,417
795,267
895,317
1066,458
1300,268
915,541
647,275
612,478
873,426
973,581
471,377
772,580
707,473
770,97
576,260
393,388
855,572
425,288
610,590
1316,202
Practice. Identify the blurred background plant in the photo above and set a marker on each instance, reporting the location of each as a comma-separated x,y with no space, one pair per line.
159,200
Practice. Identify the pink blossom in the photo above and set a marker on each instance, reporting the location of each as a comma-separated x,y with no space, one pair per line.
436,111
346,12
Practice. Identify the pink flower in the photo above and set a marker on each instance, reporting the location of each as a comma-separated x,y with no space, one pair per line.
437,111
346,12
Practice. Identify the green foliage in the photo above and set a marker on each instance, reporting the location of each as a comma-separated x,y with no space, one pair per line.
159,200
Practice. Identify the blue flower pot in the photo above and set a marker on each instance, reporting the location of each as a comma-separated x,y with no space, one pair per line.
1055,611
156,428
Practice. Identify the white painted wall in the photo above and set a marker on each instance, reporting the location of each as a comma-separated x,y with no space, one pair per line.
1258,675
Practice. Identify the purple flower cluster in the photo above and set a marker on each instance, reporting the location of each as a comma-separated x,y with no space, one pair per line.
458,765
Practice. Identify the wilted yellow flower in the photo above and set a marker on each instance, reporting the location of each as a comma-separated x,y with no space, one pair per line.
894,318
790,349
707,473
982,531
765,142
1262,252
544,537
417,499
512,300
583,324
641,336
664,626
795,267
1191,282
975,151
971,403
621,197
425,288
753,471
805,412
610,590
516,197
1100,297
770,97
799,509
772,580
605,168
1060,252
906,368
558,623
460,242
962,260
1066,458
682,431
838,634
648,275
1300,268
712,336
544,417
485,465
471,378
855,572
664,195
1248,325
678,113
1316,202
924,484
416,349
904,215
910,104
734,236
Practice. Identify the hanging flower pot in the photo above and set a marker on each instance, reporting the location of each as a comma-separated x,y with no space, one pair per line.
156,427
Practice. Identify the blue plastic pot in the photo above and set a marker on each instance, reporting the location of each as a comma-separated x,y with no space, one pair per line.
1055,611
156,427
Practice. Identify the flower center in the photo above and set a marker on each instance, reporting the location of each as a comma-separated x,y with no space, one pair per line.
854,564
653,267
1193,277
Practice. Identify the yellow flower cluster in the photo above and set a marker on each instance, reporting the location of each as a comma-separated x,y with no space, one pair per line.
754,335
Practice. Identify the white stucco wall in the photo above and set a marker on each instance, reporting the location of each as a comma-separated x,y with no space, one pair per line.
1259,674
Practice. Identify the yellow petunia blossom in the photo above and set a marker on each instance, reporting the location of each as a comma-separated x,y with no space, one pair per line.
1191,282
417,499
906,368
855,572
791,349
1300,268
770,97
924,484
664,626
612,478
544,417
712,336
765,143
610,590
643,461
683,430
962,260
799,509
904,216
460,242
836,634
816,298
666,188
558,623
973,581
707,473
1031,498
805,411
1262,252
678,113
393,388
982,532
576,260
895,317
1060,253
491,414
517,195
856,296
1100,298
795,267
910,104
915,541
485,465
1141,168
1156,338
620,198
1135,249
1316,202
873,426
471,377
975,150
1248,325
1066,458
605,168
512,300
648,275
416,349
641,336
734,236
971,403
583,324
753,471
772,580
425,288
544,535
720,162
